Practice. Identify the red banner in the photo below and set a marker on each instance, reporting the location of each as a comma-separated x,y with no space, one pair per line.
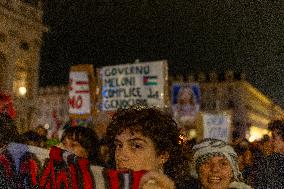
26,168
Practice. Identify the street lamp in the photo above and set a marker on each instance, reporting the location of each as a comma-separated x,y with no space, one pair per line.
46,126
22,91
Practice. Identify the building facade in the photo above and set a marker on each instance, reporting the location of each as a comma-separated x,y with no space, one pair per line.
21,31
251,110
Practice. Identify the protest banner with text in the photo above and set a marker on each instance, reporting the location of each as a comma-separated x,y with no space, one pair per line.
217,126
130,84
81,91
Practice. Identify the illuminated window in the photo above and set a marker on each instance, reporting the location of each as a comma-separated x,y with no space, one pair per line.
20,83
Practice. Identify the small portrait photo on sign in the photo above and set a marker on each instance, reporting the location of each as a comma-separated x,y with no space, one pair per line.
186,100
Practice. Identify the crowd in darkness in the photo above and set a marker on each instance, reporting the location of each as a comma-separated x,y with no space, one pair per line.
142,138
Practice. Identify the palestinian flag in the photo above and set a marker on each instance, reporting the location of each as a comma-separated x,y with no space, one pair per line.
82,87
150,80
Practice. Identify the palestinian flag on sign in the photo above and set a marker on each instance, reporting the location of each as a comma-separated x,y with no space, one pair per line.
150,80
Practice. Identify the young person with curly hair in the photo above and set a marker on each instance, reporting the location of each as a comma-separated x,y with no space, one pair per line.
145,138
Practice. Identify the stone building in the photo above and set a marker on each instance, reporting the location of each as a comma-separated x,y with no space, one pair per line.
251,109
21,31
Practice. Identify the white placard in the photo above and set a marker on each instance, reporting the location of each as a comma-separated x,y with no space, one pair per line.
79,93
217,126
129,84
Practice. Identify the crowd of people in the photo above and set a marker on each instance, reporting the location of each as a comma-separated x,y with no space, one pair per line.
147,139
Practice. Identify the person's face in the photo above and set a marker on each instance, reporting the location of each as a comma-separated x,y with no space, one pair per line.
100,130
74,147
277,142
215,173
136,152
185,96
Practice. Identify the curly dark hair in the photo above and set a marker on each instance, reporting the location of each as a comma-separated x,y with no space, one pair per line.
153,123
87,138
278,126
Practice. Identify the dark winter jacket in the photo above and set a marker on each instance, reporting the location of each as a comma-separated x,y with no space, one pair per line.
270,174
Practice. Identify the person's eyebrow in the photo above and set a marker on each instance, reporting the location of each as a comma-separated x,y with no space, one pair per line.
223,160
138,139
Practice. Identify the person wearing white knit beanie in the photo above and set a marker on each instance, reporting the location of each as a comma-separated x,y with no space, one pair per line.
215,165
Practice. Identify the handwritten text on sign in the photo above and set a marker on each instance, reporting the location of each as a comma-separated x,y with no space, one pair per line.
217,126
129,84
79,93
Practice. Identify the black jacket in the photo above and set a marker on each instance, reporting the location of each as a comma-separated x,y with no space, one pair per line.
270,174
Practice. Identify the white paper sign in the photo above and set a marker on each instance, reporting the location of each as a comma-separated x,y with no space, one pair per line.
217,126
79,93
129,84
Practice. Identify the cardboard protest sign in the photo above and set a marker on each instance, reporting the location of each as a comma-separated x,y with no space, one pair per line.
27,167
81,91
129,84
217,126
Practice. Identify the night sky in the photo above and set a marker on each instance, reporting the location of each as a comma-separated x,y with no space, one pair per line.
194,36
